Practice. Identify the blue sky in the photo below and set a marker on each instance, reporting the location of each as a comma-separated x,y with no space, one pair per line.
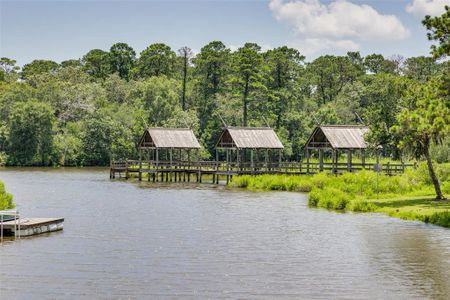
61,30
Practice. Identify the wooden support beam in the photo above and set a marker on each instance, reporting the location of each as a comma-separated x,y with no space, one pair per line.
140,164
320,160
307,160
349,160
363,158
170,159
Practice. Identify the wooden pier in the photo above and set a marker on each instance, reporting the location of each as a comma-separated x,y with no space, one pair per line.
188,171
165,154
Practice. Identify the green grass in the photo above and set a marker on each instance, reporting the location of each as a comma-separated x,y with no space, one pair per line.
408,196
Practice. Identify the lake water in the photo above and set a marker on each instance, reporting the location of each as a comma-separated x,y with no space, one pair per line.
130,240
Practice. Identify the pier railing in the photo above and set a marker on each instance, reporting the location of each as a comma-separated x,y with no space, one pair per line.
7,215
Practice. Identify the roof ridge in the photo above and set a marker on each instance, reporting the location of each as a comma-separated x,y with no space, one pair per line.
249,128
169,128
339,125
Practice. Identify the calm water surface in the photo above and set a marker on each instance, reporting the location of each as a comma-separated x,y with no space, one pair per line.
125,240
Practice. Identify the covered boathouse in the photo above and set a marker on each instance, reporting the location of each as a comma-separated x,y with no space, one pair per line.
250,148
165,149
336,138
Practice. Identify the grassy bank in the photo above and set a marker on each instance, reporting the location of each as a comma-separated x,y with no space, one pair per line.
408,196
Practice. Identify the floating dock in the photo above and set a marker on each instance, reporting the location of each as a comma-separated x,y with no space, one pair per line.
11,224
32,226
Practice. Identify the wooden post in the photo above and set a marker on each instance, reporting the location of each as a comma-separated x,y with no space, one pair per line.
189,165
157,164
349,160
140,164
170,158
251,160
279,159
363,159
307,160
320,160
126,169
333,159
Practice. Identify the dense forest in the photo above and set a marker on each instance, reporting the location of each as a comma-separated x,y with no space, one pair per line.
86,111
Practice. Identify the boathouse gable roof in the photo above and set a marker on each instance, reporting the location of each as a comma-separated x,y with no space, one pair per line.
249,138
180,138
338,137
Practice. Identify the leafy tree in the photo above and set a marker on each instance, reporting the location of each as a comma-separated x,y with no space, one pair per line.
248,74
6,199
186,56
67,144
158,59
97,137
71,63
38,66
381,105
439,30
357,60
71,102
285,66
376,63
427,123
31,133
420,68
122,58
12,94
8,69
328,74
212,67
160,99
97,63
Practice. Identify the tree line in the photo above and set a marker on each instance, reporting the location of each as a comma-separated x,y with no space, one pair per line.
86,111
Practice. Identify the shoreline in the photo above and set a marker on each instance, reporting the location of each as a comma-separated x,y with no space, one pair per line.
405,196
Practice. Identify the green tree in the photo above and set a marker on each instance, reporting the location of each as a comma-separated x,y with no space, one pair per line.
122,58
248,75
97,63
420,68
380,101
6,199
329,74
73,63
186,56
158,59
30,133
211,69
8,69
428,122
376,63
38,66
160,99
97,137
285,66
439,30
68,144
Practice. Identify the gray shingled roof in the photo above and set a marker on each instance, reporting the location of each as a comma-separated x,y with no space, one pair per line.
169,138
338,137
250,138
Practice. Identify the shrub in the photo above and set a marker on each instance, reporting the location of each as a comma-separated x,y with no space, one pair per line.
6,199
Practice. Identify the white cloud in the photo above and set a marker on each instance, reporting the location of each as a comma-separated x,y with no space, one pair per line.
311,46
340,24
427,7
